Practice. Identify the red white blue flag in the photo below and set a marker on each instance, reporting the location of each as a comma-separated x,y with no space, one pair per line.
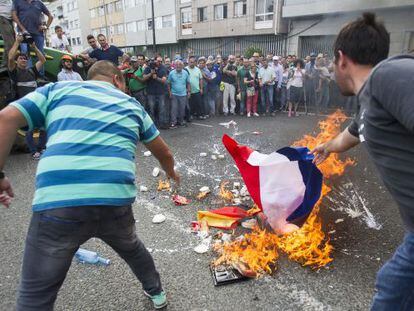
284,184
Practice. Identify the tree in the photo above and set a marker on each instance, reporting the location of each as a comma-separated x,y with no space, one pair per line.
251,50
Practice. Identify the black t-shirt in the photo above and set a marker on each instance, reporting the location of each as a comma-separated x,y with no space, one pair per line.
112,54
386,124
227,78
249,77
155,87
24,80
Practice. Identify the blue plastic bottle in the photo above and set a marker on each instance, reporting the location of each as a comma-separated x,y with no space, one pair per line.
85,256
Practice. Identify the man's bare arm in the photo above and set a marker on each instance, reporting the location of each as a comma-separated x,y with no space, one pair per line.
339,144
162,153
41,58
11,64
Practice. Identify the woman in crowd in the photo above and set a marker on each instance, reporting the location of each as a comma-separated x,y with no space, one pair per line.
251,79
296,86
284,98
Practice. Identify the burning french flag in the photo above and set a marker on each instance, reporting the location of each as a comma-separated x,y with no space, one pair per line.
285,184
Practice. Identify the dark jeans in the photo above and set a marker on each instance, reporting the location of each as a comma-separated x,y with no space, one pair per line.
158,110
41,144
40,43
140,97
53,238
196,104
395,280
7,33
267,98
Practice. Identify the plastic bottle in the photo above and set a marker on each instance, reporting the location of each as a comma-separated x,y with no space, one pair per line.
85,256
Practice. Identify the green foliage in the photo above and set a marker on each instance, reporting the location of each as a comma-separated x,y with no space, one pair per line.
251,50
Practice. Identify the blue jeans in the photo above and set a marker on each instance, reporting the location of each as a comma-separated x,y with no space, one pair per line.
213,93
395,280
158,110
40,43
283,98
55,235
267,98
178,105
41,144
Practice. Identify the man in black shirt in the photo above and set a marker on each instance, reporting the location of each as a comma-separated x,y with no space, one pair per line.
229,78
25,81
386,126
156,76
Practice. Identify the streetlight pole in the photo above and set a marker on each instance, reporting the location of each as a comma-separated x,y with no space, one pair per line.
154,44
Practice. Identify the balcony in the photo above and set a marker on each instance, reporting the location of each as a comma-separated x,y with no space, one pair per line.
298,8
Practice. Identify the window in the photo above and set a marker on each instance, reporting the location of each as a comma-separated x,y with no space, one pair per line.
129,4
168,21
220,11
240,8
103,31
131,27
93,13
264,10
119,29
149,24
141,25
185,1
109,8
202,14
158,22
101,11
78,41
186,21
118,6
73,41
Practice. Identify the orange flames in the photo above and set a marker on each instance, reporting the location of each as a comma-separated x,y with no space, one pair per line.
308,245
225,194
164,185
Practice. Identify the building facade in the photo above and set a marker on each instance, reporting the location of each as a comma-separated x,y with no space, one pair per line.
314,24
73,17
211,27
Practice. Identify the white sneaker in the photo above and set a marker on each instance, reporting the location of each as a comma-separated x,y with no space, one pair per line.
256,114
248,114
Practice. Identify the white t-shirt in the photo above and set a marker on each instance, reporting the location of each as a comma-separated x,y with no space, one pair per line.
6,8
60,44
297,79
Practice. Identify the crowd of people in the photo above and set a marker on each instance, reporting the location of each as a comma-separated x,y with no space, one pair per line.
177,91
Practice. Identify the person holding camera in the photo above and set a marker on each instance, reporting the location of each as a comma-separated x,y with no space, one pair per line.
230,82
28,15
24,79
156,76
6,28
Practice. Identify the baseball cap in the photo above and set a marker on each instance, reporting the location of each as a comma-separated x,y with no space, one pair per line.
134,59
275,57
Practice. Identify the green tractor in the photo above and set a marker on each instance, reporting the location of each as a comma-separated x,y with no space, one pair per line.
52,68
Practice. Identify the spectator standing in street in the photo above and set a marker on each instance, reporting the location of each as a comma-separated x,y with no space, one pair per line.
278,68
311,82
215,95
322,90
6,28
106,51
155,74
25,81
284,92
135,79
85,182
28,15
196,84
296,87
267,81
251,80
67,73
241,86
60,41
206,79
230,81
179,91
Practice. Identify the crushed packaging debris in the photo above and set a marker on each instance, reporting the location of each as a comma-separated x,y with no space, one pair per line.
155,172
143,189
147,153
159,218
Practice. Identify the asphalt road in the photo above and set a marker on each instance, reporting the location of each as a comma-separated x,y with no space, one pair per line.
363,241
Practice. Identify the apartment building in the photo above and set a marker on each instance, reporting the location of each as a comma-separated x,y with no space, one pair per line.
210,27
73,17
128,23
314,24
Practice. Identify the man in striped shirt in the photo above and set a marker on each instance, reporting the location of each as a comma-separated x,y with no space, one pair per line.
85,179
